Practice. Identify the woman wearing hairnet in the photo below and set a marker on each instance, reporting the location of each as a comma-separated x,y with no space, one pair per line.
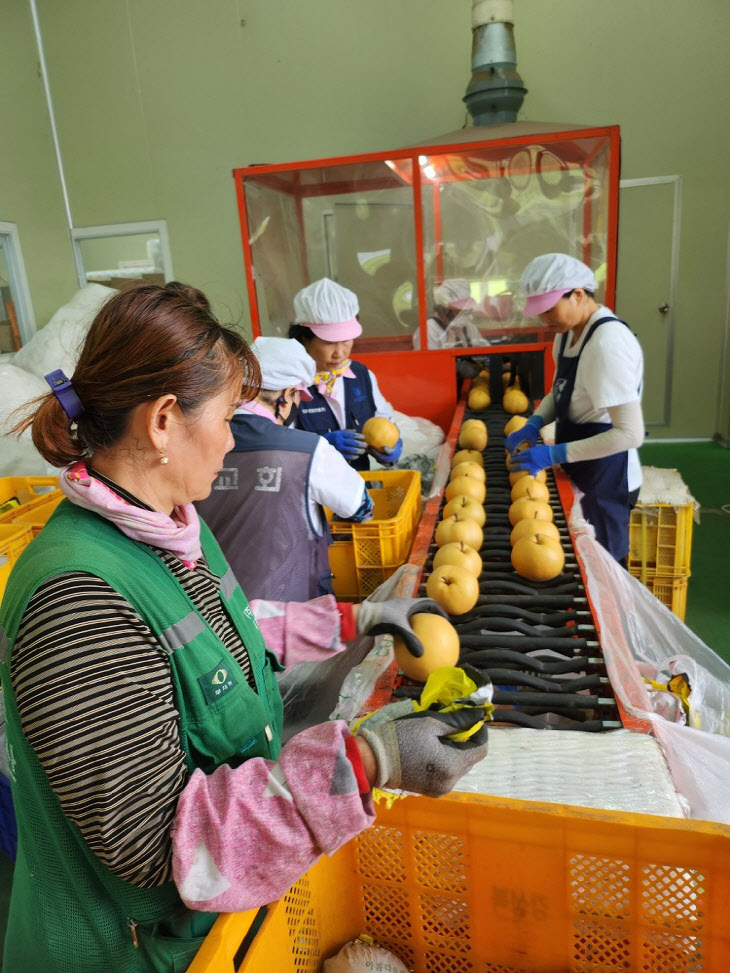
449,327
143,714
267,499
595,399
345,394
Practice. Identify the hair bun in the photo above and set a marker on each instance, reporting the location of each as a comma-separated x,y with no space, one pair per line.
191,294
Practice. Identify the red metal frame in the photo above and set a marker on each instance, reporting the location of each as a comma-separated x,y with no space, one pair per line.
269,172
430,515
565,493
414,152
247,262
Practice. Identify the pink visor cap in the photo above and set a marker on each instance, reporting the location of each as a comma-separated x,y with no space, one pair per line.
535,306
340,331
546,278
329,310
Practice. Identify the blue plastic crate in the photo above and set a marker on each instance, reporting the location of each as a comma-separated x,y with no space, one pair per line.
8,825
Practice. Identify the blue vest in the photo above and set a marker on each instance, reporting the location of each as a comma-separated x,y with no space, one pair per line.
258,511
317,415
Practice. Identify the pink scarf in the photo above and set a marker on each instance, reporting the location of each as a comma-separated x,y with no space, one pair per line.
179,534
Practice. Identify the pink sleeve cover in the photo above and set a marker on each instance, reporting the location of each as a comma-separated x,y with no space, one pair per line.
242,837
307,631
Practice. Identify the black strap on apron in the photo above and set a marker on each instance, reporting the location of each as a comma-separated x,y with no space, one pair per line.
603,481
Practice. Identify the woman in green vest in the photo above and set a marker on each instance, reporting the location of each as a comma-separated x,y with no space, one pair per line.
144,717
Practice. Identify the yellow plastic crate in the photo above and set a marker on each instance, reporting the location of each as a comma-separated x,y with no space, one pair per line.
36,515
362,556
660,539
13,539
470,884
671,591
27,491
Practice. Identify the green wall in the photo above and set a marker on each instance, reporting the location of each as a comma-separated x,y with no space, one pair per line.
660,69
30,191
158,100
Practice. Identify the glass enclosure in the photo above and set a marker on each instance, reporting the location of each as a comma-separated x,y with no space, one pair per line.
394,226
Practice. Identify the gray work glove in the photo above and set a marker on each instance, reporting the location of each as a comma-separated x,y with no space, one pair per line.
392,617
412,750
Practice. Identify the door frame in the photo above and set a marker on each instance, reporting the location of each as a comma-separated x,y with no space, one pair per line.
722,433
19,281
676,180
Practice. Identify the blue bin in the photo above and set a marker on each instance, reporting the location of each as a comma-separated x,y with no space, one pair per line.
8,825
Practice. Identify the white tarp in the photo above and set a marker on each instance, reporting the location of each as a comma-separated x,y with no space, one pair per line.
640,639
57,345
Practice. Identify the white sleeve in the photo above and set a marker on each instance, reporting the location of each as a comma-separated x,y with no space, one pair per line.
333,483
546,409
611,366
382,406
626,432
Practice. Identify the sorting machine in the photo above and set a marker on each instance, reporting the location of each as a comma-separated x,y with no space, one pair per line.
536,641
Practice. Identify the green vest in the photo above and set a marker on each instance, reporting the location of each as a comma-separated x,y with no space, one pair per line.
68,911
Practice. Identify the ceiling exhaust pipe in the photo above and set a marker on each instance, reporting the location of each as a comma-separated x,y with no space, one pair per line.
495,92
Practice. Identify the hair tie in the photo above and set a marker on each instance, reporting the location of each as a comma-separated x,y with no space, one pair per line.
65,393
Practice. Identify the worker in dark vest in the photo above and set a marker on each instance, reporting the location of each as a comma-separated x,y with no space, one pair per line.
345,393
265,507
595,399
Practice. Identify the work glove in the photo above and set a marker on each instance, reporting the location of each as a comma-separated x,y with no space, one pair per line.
392,617
527,434
365,512
388,459
348,442
413,752
539,457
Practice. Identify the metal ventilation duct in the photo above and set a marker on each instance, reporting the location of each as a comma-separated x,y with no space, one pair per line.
495,92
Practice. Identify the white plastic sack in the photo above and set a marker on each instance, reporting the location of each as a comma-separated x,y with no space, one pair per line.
361,957
58,344
419,435
639,635
18,455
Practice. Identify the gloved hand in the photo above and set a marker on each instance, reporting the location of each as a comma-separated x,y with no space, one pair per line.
412,750
527,434
393,617
365,512
348,442
388,459
539,457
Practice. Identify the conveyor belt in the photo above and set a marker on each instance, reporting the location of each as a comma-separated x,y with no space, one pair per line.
537,642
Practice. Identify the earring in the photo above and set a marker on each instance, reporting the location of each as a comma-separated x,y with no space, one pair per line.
164,460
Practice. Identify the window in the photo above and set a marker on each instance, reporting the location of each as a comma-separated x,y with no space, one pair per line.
17,321
120,253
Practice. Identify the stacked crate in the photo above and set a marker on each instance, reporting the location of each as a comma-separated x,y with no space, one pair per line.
660,537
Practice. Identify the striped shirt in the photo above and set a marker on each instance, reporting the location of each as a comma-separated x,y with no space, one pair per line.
96,703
